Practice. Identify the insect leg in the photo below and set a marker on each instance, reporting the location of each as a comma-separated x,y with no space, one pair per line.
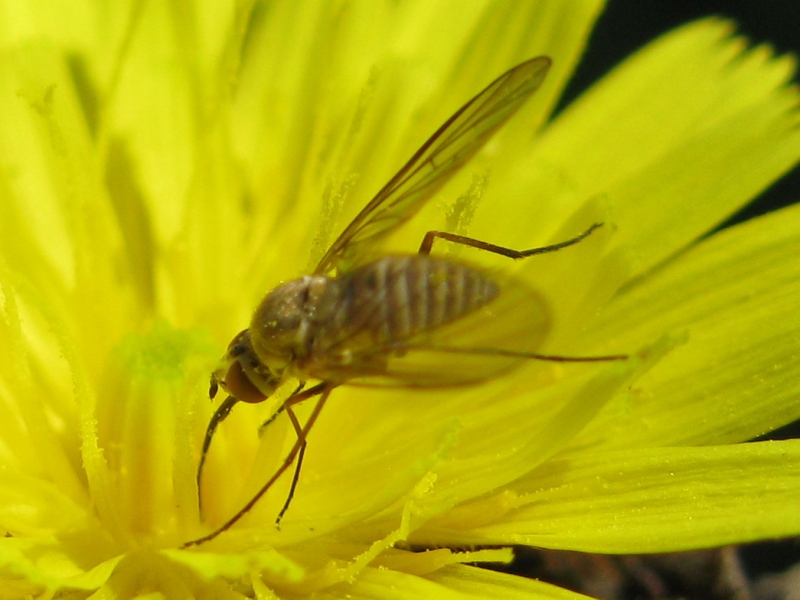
516,354
298,465
295,398
281,408
322,390
218,417
427,244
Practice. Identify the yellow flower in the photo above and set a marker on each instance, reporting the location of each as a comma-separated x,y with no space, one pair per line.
164,165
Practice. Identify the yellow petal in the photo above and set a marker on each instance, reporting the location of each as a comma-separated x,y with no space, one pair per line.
734,297
655,500
678,137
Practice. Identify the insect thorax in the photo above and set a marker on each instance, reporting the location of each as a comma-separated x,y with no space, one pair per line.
286,323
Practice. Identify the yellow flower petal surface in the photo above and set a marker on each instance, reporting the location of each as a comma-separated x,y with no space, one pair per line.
162,166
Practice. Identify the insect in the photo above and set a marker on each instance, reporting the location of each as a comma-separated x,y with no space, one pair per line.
412,320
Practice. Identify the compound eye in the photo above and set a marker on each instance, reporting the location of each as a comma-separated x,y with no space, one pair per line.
240,386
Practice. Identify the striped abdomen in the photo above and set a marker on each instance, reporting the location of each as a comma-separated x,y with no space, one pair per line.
315,321
397,297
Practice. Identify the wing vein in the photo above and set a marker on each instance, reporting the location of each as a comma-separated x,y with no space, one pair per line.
436,161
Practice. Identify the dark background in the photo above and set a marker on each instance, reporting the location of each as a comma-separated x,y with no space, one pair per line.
628,24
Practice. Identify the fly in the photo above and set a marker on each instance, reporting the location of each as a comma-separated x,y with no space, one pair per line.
401,320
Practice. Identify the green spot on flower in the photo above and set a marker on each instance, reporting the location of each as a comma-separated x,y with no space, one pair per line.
164,354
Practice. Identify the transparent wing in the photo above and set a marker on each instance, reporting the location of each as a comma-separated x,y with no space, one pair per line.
482,345
453,144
